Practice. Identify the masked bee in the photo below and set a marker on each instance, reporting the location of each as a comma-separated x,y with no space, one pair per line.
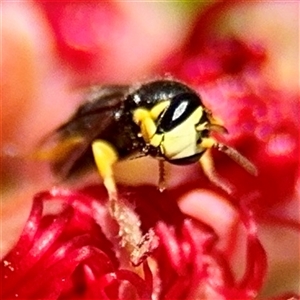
164,119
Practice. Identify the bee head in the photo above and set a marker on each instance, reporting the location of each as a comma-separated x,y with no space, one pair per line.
181,124
173,121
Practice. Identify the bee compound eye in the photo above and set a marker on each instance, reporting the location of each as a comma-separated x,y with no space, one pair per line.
180,108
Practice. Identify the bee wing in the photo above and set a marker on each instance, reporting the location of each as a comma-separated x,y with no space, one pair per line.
68,147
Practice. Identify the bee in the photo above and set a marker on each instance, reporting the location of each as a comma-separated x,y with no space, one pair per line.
164,119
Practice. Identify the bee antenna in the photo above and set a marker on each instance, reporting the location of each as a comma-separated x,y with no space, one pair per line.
218,128
238,158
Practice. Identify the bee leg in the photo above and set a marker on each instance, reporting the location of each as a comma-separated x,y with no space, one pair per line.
138,245
144,119
105,156
162,174
208,167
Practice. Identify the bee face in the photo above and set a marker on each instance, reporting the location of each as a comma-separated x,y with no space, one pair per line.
180,126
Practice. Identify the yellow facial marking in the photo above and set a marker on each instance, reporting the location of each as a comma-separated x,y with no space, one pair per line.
181,141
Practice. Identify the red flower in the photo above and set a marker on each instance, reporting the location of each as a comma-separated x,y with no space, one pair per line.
65,249
208,246
262,121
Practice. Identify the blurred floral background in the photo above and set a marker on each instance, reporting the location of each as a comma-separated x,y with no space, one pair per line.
243,59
